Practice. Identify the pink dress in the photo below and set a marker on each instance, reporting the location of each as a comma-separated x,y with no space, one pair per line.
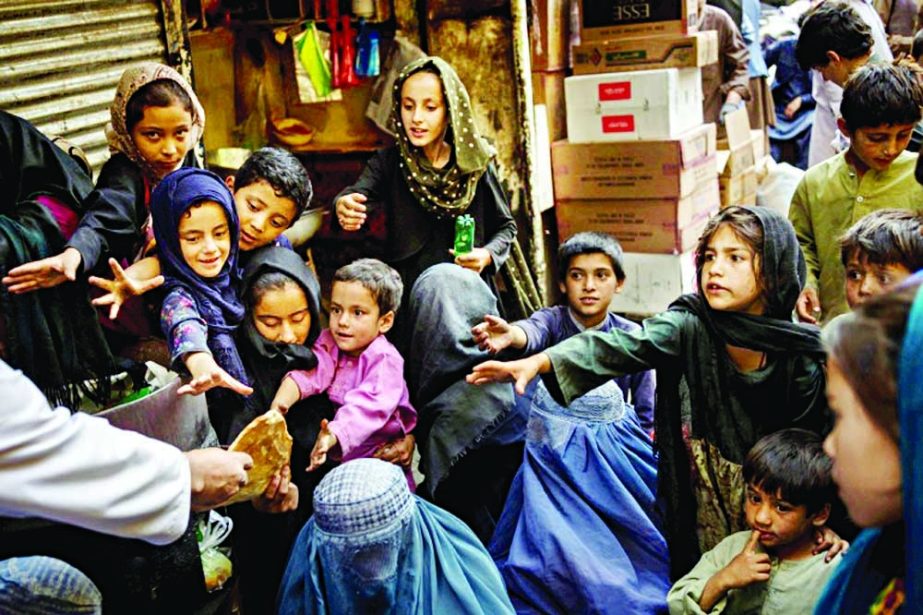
374,403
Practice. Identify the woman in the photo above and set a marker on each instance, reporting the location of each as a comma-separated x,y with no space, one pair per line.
471,438
440,169
374,547
283,320
875,368
53,337
580,532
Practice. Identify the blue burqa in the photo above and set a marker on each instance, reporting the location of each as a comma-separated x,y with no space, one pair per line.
372,547
579,533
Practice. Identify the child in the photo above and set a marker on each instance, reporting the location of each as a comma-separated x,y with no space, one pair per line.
271,190
771,568
590,269
731,367
440,168
881,105
879,252
794,103
725,85
358,367
196,229
156,122
874,375
837,38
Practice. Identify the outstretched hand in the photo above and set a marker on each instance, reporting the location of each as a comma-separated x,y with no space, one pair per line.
521,372
121,288
325,441
44,273
493,334
206,375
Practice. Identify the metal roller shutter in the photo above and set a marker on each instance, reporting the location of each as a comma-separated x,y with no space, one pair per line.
60,60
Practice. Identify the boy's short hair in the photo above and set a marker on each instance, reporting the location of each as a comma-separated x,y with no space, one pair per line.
378,278
886,237
281,170
832,26
882,94
916,48
792,462
591,243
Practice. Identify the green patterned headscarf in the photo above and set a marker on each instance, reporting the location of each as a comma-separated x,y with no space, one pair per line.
450,190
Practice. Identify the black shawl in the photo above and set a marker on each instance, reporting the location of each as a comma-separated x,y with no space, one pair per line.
709,409
267,362
53,335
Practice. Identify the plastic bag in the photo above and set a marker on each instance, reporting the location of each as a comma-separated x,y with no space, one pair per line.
211,532
778,187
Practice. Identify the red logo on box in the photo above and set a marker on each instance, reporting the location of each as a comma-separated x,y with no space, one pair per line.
619,90
618,123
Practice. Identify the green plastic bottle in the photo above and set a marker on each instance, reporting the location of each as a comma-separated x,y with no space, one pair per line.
464,234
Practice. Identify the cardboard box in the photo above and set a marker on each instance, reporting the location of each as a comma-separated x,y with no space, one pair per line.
740,189
648,104
737,161
637,169
760,143
630,54
608,19
654,281
668,226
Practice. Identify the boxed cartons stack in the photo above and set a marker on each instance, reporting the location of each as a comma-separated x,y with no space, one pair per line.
740,155
638,162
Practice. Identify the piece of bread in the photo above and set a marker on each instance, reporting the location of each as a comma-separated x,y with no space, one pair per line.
267,441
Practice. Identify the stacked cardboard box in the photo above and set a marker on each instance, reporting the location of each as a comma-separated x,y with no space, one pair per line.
639,163
738,154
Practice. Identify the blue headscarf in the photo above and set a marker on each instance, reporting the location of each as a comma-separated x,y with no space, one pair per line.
910,414
579,532
857,582
216,298
374,547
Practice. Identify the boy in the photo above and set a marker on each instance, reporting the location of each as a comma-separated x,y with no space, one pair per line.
357,367
771,568
879,252
881,106
725,85
591,272
837,38
271,190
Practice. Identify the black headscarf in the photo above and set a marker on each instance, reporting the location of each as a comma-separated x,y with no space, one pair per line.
267,362
783,273
708,405
53,335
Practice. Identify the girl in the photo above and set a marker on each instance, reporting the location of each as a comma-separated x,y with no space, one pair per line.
195,226
282,322
156,122
731,367
439,169
874,373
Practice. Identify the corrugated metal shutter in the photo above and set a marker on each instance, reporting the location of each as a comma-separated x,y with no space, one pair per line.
61,60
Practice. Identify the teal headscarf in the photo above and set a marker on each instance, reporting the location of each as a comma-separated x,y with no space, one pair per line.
859,578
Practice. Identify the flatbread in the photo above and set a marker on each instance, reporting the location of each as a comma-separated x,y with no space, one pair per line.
267,441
